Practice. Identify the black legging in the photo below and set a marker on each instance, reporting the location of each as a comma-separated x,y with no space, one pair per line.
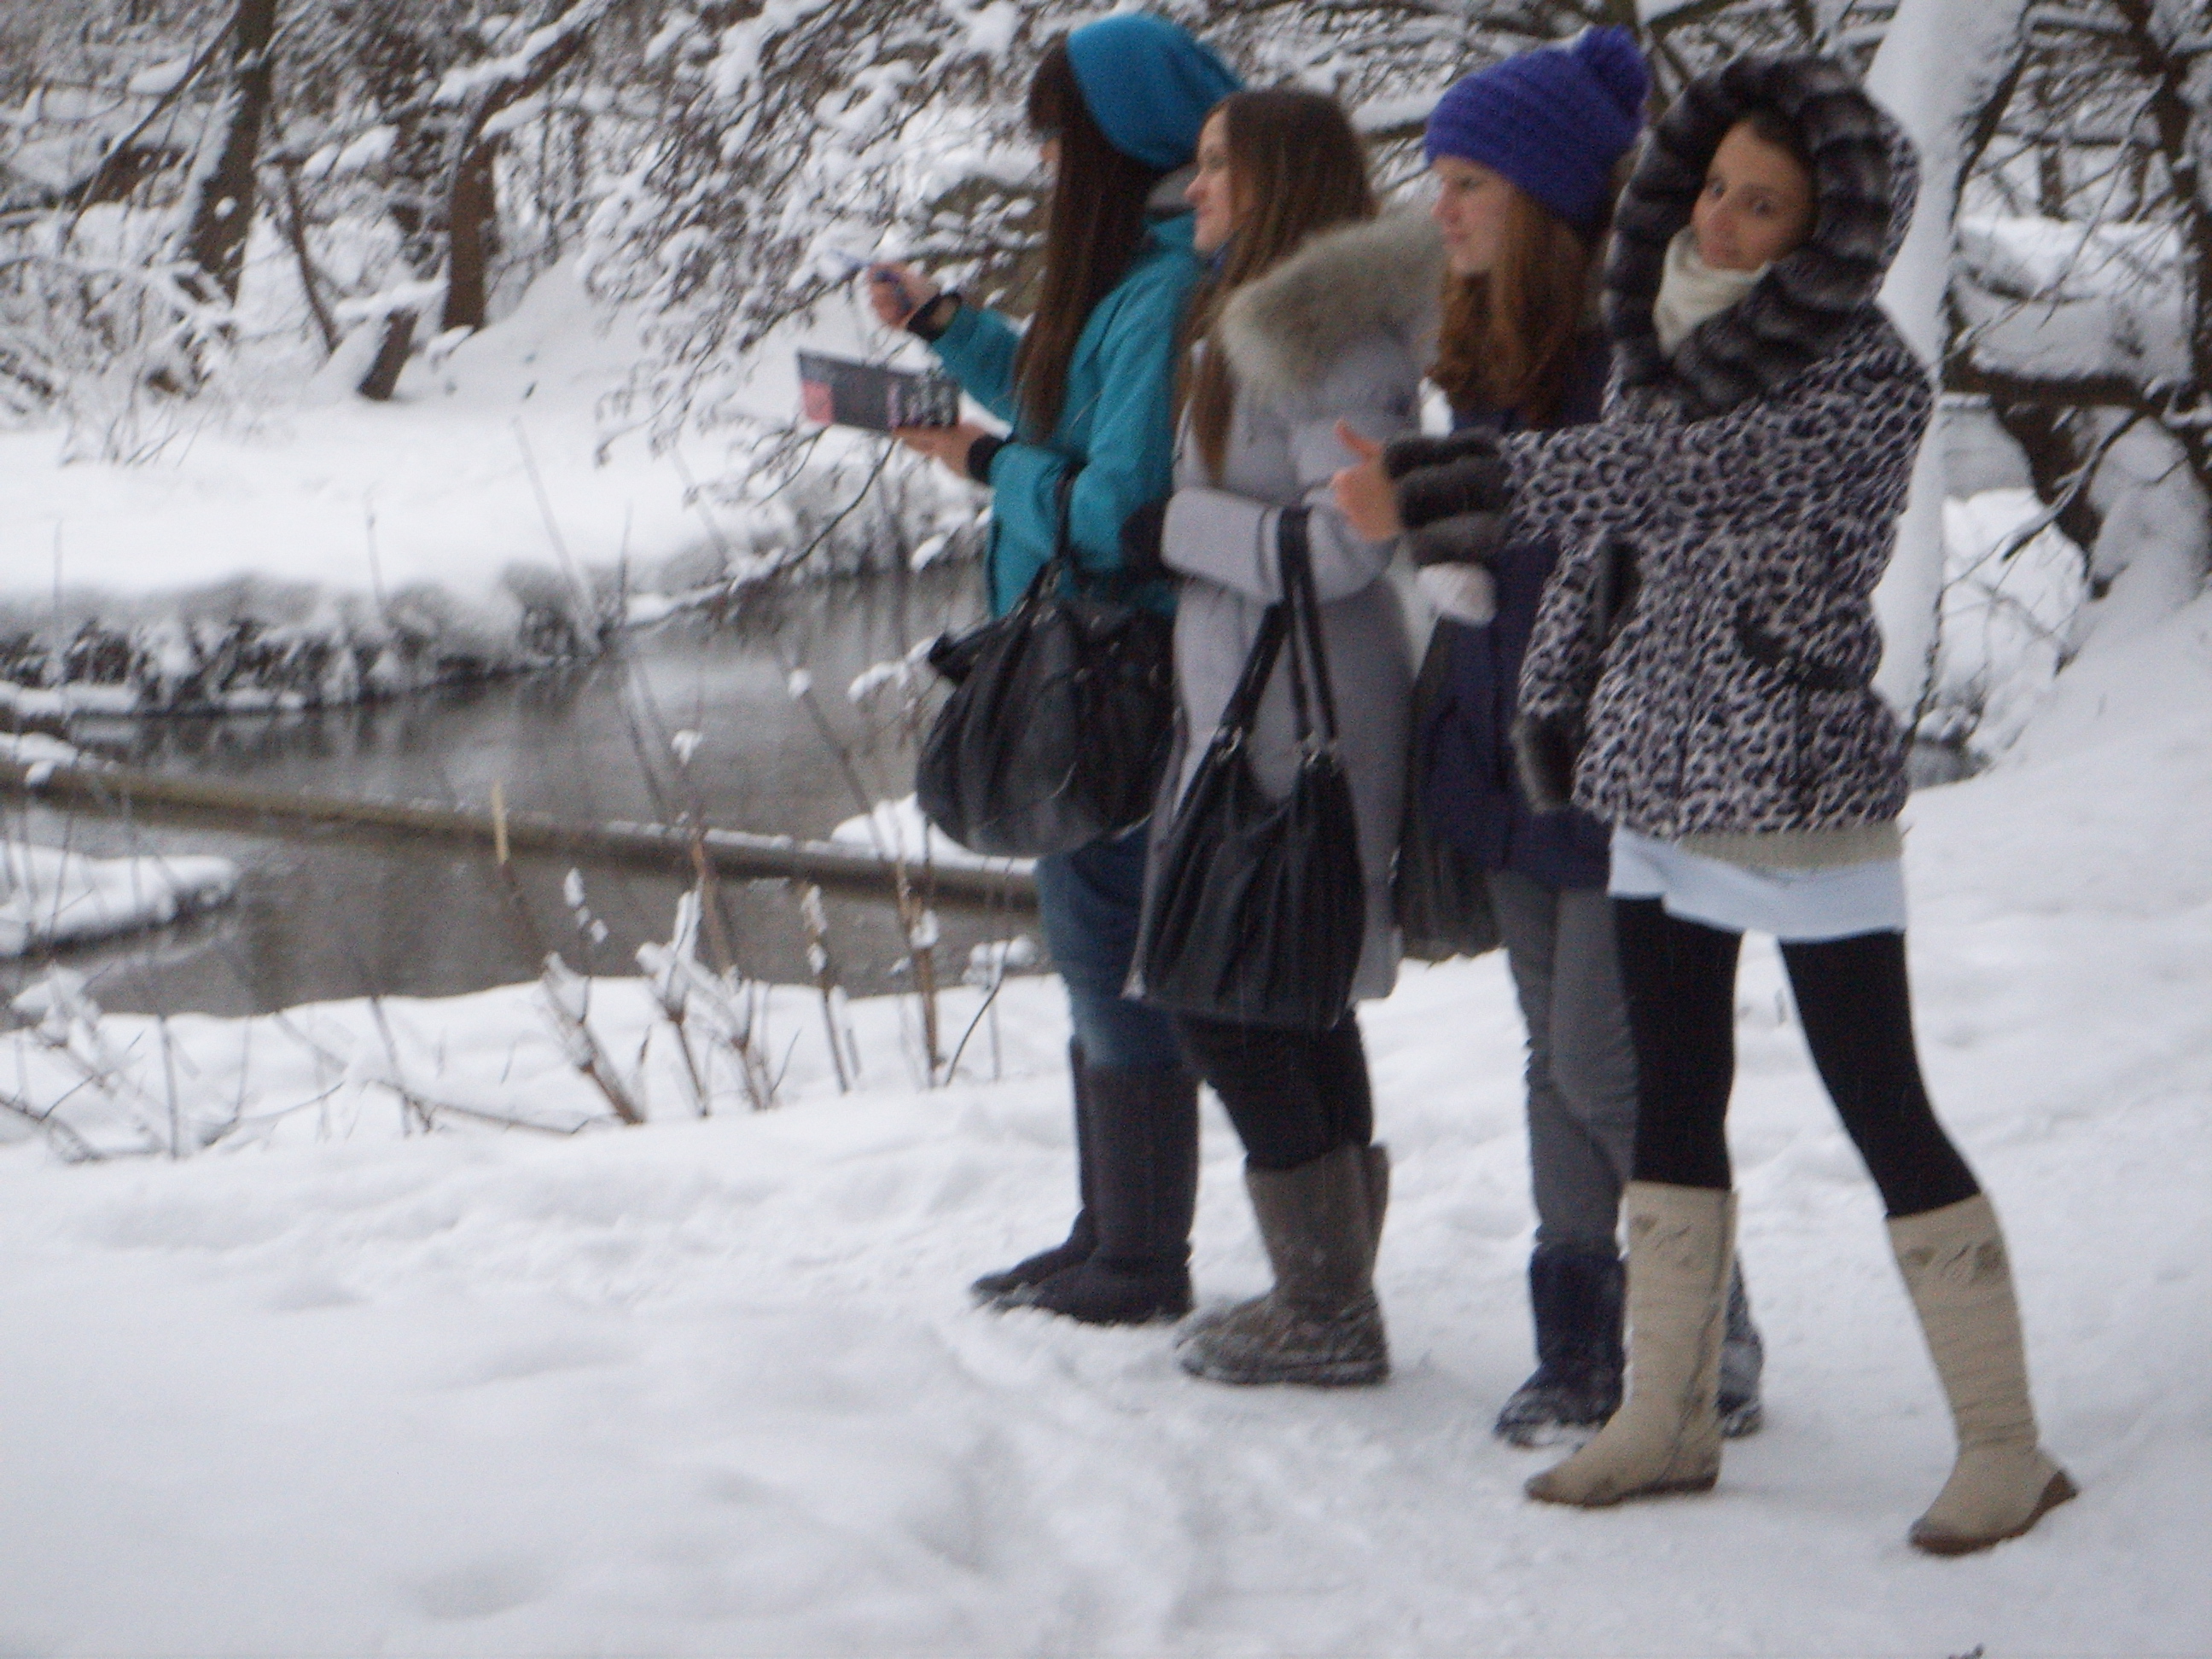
1852,999
1293,1096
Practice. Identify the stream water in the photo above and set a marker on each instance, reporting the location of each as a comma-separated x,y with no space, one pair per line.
323,917
319,918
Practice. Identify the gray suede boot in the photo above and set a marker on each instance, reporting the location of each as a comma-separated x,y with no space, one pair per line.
1955,1265
1376,1165
1320,1325
1666,1438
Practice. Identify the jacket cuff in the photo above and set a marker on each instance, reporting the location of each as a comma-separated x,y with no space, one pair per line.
930,321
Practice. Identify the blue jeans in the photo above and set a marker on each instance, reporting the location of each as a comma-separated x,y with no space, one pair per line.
1088,903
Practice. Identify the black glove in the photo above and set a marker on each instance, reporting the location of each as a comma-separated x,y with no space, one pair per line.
981,452
933,318
1140,542
1544,748
1617,583
1464,538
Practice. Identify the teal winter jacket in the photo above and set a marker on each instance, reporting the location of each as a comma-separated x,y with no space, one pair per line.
1116,422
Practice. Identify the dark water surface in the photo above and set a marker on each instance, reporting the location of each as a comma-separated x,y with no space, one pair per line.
321,917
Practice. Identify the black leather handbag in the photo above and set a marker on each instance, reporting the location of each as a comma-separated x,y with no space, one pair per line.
1259,912
1440,894
1058,722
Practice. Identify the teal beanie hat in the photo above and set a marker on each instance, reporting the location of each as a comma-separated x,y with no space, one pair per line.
1148,84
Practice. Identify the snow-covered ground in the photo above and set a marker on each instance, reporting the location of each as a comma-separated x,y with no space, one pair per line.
712,1386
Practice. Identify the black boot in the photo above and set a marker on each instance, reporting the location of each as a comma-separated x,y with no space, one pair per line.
1083,1237
1743,1358
1575,1295
1143,1160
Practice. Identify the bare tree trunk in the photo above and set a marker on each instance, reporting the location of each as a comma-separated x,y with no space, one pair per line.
2164,63
222,213
472,222
295,233
383,377
470,207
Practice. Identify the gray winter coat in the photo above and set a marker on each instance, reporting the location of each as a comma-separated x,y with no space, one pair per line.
1336,333
1756,479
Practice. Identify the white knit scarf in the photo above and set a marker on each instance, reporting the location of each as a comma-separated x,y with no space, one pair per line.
1690,291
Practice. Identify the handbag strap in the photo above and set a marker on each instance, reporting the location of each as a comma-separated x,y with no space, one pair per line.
1243,705
1062,566
1294,553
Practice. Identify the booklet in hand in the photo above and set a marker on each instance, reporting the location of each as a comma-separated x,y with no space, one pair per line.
838,391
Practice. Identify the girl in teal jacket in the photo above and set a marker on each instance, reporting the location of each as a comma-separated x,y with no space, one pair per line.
1088,389
1117,422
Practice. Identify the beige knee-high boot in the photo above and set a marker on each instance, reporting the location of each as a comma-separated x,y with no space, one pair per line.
1955,1267
1666,1438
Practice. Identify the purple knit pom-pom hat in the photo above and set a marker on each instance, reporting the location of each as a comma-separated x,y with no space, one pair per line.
1554,121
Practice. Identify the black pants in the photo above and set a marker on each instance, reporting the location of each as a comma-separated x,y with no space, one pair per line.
1293,1096
1852,999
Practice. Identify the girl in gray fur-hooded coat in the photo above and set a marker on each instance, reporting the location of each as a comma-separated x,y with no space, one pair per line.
1296,336
1321,338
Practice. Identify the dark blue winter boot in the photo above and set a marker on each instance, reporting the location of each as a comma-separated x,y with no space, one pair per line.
1575,1295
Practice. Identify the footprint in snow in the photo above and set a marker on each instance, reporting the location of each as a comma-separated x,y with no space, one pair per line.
480,1589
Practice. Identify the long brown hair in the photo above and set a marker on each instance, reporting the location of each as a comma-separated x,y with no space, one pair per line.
1095,225
1509,338
1296,167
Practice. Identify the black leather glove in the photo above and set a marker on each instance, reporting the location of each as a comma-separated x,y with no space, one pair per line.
1544,749
1464,538
1140,542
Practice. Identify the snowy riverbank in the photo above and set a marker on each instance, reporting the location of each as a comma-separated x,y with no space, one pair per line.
713,1387
308,547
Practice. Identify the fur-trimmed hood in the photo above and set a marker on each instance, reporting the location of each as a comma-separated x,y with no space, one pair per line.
1285,330
1865,179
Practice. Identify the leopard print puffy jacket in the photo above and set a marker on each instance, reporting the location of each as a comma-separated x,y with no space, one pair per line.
1756,481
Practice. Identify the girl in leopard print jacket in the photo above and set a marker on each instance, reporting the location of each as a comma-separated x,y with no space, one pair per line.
1700,678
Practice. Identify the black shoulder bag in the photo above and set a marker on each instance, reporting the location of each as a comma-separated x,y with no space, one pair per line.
1059,718
1258,912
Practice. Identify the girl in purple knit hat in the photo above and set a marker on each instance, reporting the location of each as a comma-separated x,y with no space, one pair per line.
1527,156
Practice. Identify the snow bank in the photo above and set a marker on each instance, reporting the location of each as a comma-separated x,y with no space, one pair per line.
715,1387
326,549
2013,587
50,897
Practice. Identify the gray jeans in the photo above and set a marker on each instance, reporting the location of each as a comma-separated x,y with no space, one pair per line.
1581,1065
